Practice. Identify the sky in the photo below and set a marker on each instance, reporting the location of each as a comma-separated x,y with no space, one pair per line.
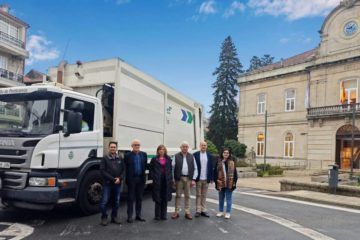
175,41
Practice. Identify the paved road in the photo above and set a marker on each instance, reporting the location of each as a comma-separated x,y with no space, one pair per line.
255,216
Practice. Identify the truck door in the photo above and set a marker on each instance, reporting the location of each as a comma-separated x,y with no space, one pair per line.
76,148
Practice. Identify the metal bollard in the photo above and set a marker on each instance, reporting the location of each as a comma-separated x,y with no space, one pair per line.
333,176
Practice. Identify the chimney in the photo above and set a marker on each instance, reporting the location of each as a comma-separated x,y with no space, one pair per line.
5,8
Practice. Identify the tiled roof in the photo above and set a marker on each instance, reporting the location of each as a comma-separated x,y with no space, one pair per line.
297,59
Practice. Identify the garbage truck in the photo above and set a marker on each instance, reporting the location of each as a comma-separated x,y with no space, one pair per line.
54,134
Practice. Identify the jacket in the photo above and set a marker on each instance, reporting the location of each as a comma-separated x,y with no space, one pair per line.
209,167
130,168
156,176
112,168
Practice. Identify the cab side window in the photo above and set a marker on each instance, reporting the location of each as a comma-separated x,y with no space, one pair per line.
87,114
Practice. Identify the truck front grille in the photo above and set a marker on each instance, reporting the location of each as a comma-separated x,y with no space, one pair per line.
14,180
13,160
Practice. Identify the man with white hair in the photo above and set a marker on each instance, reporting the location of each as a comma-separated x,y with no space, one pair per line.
135,166
185,174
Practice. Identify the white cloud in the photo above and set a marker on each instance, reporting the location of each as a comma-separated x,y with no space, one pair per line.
208,7
120,2
40,49
284,40
296,38
293,9
234,7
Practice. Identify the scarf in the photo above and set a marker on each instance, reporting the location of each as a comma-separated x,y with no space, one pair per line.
229,181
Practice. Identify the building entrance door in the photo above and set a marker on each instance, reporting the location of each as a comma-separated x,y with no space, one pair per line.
344,147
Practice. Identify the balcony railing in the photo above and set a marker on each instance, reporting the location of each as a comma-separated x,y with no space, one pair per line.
12,40
333,111
11,76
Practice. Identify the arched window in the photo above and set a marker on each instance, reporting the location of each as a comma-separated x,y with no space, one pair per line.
260,143
289,145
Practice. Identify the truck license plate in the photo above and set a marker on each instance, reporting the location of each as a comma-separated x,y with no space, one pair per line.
4,165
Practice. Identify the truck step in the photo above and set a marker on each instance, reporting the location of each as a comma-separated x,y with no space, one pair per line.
66,200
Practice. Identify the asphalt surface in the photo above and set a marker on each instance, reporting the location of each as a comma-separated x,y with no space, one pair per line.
253,217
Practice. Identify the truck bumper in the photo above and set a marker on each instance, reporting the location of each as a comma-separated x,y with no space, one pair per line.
40,198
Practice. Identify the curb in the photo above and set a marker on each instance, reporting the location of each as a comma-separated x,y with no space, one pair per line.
315,200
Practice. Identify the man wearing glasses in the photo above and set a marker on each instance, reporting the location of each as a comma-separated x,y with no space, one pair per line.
135,166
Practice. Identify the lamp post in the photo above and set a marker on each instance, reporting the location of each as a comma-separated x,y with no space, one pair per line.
352,142
265,137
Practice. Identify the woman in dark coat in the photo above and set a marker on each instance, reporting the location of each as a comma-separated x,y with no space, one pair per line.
162,176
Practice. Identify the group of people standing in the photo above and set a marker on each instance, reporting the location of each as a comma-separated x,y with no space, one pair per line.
181,173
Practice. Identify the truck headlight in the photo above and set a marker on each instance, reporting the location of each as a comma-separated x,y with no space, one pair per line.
42,181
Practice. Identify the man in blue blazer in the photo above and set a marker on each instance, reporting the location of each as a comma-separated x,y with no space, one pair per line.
135,166
205,167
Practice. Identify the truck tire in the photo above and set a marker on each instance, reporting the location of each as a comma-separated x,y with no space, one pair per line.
90,192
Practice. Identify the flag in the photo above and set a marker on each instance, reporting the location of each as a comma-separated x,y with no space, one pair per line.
342,93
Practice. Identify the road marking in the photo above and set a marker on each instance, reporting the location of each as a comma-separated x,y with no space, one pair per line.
75,230
312,234
301,202
15,231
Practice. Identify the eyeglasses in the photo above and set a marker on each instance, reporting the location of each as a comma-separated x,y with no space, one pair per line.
136,145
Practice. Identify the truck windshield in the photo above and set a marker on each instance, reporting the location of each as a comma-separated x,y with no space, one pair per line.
22,116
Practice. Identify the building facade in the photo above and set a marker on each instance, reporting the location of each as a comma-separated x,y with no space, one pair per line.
311,100
12,48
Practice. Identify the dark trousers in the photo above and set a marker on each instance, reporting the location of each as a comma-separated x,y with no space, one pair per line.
161,207
135,194
107,189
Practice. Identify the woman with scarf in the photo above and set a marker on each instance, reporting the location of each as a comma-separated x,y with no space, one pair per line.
225,177
162,176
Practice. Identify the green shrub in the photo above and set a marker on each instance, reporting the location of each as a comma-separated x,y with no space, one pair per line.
270,170
241,163
237,149
211,147
261,166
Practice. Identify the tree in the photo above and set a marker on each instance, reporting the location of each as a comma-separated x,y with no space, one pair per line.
266,60
257,62
237,149
211,148
223,119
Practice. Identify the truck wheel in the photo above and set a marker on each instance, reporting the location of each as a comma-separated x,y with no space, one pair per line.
90,193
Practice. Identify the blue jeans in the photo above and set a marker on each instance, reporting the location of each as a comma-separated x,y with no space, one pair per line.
107,189
225,192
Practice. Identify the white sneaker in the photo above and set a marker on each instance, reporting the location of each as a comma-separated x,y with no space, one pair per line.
227,216
220,214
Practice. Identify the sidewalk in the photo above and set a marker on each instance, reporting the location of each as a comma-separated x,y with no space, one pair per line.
323,198
272,183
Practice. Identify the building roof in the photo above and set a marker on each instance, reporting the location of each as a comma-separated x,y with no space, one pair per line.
15,19
297,59
34,76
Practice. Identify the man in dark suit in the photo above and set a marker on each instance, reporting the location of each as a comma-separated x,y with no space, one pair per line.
135,166
205,167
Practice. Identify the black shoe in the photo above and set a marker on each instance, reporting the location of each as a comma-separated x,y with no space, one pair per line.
130,220
140,219
157,218
116,220
197,214
205,214
104,222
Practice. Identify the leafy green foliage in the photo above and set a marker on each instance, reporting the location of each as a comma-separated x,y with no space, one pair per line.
237,149
223,119
211,147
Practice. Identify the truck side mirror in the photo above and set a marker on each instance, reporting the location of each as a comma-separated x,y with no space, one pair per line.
74,122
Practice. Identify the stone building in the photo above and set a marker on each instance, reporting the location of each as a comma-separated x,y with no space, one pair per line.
12,48
310,99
